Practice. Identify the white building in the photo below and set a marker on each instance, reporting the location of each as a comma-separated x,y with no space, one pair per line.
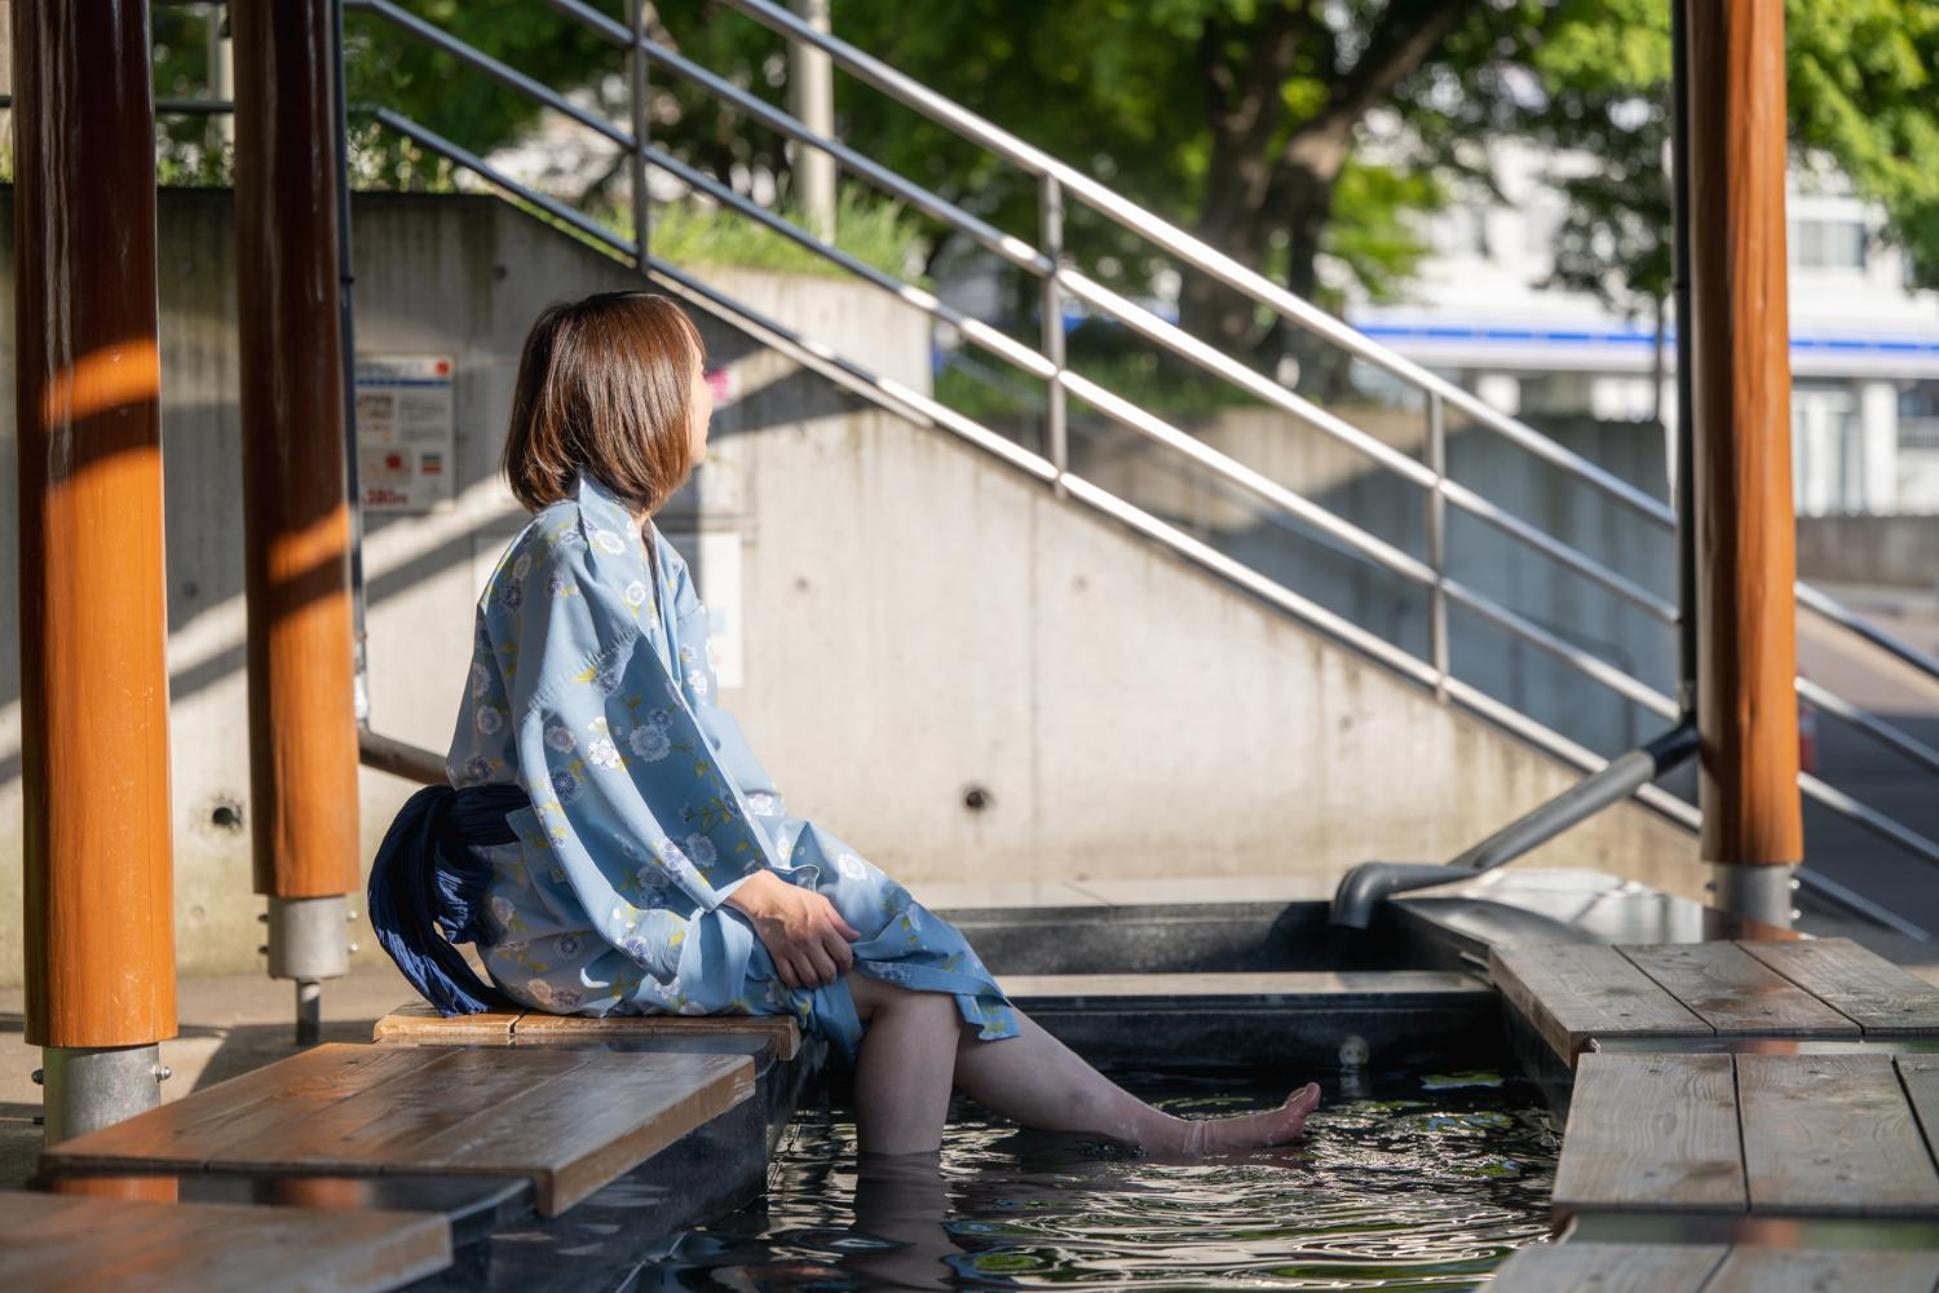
1864,349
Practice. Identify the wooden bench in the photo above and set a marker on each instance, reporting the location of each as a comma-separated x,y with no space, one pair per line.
1813,1135
1711,1268
1829,989
570,1120
86,1242
418,1024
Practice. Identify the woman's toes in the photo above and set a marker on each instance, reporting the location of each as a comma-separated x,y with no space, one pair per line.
1293,1114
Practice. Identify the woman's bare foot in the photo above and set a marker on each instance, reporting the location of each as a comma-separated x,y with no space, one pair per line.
1204,1136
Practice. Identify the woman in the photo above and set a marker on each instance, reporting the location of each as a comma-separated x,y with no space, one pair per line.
612,846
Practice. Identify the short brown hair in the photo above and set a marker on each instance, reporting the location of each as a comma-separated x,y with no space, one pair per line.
605,387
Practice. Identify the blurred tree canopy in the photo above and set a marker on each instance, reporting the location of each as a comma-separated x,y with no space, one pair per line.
1301,137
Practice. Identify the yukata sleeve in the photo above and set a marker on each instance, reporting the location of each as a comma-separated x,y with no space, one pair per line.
630,797
723,733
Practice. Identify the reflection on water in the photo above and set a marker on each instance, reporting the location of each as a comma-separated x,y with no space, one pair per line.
1409,1182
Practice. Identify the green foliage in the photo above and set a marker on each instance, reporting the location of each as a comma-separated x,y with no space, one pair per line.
1374,233
1151,96
1862,98
875,232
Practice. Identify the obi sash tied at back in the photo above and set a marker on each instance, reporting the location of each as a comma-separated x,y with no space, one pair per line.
427,890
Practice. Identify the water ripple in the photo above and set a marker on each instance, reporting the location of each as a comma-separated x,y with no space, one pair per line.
1413,1183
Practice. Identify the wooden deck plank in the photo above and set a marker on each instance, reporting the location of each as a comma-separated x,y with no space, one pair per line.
1832,1134
595,1123
418,1024
1881,998
1571,992
1737,994
1608,1268
450,1086
47,1241
256,1101
569,1119
1649,1132
1919,1074
780,1032
1789,1270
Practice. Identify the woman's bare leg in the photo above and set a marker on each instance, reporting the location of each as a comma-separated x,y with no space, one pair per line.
916,1045
904,1069
1035,1080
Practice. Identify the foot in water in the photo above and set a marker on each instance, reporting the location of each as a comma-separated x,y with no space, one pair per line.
1248,1131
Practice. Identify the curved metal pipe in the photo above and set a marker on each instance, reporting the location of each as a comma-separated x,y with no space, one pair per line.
1371,883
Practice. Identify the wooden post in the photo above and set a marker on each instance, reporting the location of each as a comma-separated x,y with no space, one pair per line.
93,624
1747,649
302,718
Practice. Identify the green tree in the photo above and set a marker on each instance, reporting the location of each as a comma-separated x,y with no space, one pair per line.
1863,99
1298,136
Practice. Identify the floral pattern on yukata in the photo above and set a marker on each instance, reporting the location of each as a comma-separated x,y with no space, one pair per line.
591,689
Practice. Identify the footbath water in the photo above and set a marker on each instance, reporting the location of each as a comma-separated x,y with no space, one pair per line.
1402,1181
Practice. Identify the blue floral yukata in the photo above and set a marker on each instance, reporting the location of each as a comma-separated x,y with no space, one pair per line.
591,691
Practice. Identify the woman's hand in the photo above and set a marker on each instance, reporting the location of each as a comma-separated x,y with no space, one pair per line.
801,930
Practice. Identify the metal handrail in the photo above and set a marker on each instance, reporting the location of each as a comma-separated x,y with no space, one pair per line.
1365,544
1200,256
1055,471
1871,724
1095,295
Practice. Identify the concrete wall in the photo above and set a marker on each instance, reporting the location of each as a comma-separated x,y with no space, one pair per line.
1479,555
1890,551
918,621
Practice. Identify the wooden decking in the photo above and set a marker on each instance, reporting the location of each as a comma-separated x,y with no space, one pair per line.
1712,1268
1687,994
419,1024
84,1242
571,1120
1779,1084
1819,1135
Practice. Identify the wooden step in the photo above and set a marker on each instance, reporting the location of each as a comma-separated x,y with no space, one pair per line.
419,1024
1820,989
1815,1135
571,1120
85,1242
1708,1268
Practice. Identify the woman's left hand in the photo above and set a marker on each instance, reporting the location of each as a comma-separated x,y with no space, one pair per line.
801,930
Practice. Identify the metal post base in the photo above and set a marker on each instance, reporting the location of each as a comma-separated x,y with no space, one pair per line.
90,1087
307,943
1761,891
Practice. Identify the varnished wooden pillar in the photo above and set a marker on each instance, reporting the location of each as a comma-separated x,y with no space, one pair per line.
93,624
302,718
1747,649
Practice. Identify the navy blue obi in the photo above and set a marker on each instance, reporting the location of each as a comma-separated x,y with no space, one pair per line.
427,890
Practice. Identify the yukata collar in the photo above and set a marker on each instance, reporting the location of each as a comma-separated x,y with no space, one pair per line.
600,506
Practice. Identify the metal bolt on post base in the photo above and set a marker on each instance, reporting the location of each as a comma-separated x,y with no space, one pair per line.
306,944
1761,891
90,1087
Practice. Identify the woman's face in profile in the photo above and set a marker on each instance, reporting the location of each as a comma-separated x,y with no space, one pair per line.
702,405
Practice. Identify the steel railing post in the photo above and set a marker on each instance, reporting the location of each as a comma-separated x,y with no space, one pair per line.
1050,238
638,89
1437,520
